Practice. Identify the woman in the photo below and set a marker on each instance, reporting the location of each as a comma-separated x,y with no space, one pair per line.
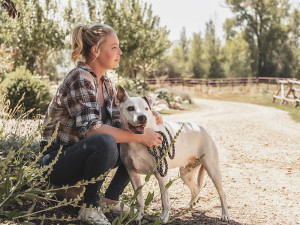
85,107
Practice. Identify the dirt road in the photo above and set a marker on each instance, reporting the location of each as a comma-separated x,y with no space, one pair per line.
259,150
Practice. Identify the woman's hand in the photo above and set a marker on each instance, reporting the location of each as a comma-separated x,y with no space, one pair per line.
157,117
150,138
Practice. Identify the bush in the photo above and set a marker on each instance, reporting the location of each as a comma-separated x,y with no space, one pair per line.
165,94
36,92
135,87
186,97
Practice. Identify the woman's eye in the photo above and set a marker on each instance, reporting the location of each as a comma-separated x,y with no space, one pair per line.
130,108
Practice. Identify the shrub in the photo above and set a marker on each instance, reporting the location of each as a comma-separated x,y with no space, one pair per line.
135,87
36,92
165,94
186,97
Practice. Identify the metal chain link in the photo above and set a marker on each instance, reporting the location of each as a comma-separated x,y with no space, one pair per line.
162,150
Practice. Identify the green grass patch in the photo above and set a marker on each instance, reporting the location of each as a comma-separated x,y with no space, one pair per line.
263,98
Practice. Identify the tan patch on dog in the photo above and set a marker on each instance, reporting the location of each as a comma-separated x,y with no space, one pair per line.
191,162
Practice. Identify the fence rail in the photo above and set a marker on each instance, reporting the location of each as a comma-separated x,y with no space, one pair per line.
215,81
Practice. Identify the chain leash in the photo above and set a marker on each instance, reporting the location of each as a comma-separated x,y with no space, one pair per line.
162,150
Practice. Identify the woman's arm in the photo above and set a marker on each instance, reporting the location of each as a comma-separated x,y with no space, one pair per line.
149,138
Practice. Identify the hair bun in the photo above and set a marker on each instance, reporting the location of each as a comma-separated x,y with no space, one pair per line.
84,28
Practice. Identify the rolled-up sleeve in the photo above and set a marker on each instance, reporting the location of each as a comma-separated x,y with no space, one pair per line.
83,104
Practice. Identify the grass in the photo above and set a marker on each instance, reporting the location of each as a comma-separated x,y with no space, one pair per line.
263,97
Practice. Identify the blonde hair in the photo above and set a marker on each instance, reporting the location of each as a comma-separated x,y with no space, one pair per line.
84,38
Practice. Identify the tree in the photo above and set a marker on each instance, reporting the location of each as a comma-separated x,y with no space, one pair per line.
6,61
180,53
35,35
10,7
237,57
267,31
196,56
212,52
142,40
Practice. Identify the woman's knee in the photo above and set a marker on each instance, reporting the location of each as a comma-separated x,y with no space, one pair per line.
105,143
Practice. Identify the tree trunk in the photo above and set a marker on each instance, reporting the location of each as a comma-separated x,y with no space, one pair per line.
42,67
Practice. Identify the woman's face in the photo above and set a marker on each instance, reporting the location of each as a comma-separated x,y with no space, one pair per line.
110,52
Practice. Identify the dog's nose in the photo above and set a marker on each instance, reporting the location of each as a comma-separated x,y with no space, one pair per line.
142,119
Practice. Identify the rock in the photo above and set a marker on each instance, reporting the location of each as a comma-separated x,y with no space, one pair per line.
160,107
176,105
178,99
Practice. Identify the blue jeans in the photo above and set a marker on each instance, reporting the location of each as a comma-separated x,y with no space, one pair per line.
88,158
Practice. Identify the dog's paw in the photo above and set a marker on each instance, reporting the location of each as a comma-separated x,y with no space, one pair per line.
140,216
225,217
164,217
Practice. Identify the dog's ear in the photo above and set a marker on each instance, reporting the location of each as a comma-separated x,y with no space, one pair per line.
121,94
150,102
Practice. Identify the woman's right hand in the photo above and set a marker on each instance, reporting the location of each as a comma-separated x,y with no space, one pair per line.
150,138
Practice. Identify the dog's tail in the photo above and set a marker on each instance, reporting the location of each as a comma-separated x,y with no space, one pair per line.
200,176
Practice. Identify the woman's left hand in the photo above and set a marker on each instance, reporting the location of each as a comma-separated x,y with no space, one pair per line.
157,117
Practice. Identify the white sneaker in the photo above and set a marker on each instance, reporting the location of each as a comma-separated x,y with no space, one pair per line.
116,209
93,216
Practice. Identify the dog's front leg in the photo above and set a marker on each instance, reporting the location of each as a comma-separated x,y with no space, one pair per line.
163,181
136,182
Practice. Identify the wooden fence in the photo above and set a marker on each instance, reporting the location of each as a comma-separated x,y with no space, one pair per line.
219,83
289,91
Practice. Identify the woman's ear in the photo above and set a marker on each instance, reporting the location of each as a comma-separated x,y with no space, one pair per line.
95,51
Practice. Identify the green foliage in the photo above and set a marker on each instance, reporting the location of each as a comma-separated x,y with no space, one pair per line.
165,94
6,62
271,30
196,56
135,87
180,53
36,92
213,58
142,40
35,35
199,57
186,97
237,58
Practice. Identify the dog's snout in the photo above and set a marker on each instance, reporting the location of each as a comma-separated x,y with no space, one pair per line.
142,119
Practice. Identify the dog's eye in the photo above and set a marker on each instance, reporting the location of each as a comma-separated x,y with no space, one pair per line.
130,108
146,109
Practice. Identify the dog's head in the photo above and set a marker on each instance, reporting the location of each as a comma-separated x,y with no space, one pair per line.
135,112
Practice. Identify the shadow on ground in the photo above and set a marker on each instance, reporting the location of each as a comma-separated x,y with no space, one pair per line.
196,217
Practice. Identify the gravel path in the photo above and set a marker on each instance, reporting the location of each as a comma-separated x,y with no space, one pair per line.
259,150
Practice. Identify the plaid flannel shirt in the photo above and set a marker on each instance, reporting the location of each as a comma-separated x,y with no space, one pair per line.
76,106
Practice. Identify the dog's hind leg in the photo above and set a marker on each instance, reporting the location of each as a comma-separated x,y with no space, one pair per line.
188,177
165,199
213,170
136,182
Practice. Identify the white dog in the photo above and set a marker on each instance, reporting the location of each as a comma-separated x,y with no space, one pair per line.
192,143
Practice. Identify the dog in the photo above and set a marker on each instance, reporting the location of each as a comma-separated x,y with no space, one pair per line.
192,144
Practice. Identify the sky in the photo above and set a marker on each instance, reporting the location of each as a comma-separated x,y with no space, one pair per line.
191,14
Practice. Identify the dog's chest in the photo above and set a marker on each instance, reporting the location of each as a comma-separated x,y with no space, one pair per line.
136,157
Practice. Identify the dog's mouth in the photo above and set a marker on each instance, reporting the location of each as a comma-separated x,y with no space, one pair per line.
137,129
